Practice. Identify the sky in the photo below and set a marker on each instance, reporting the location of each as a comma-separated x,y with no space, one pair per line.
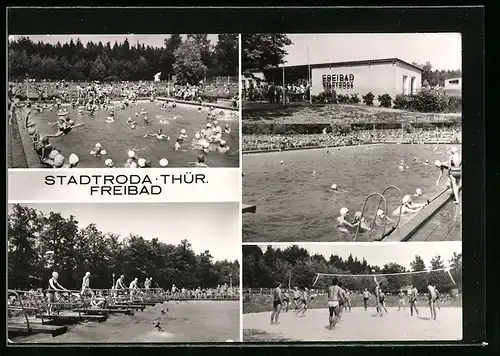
207,226
443,50
379,254
152,40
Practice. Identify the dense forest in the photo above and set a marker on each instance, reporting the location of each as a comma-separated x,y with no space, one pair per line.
189,59
295,265
39,244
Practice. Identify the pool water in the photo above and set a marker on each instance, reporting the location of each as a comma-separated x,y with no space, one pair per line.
117,138
191,321
294,200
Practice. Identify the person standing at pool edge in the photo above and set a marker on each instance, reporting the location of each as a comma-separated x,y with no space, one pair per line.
277,303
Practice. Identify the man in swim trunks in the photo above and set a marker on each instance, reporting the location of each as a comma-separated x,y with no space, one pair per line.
432,295
133,289
334,298
401,297
286,301
54,287
382,301
120,284
455,173
303,302
378,292
347,304
366,296
277,303
86,285
412,299
296,296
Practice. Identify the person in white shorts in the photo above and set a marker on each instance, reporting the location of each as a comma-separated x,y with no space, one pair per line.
334,298
402,303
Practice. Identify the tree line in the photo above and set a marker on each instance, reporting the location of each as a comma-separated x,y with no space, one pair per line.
190,59
294,265
39,244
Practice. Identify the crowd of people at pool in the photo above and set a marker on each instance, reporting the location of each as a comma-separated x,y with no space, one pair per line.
283,142
67,91
264,91
93,101
100,298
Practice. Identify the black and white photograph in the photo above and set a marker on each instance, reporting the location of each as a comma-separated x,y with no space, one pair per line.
352,292
352,137
134,101
123,273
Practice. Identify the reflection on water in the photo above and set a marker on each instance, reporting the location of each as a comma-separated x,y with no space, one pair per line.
295,205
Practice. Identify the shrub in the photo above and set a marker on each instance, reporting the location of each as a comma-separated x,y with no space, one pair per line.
385,100
327,96
368,98
343,99
354,99
429,100
401,101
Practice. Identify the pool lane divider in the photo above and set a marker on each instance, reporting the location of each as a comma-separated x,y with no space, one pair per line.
32,159
404,232
218,106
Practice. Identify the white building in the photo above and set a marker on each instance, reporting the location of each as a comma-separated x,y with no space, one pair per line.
453,83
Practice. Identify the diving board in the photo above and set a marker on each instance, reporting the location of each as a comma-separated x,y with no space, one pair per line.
104,311
249,208
72,317
35,328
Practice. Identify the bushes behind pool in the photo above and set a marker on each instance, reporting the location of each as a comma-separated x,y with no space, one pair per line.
426,100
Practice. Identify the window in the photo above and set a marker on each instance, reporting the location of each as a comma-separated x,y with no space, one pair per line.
405,84
412,85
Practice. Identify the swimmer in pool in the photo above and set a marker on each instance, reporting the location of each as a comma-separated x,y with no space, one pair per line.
146,120
98,150
408,207
159,135
201,162
357,219
223,148
183,134
178,143
227,129
342,221
65,127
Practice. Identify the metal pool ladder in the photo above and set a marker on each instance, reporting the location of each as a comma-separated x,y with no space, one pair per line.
382,198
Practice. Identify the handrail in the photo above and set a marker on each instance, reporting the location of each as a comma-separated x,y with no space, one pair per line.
385,212
22,307
363,210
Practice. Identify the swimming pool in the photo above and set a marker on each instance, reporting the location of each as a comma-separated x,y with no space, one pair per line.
117,138
295,204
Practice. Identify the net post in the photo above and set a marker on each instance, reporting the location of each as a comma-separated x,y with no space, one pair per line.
451,277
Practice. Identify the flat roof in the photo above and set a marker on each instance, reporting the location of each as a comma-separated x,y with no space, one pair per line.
351,63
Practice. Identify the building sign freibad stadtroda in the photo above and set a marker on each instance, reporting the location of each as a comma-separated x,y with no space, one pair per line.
338,81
